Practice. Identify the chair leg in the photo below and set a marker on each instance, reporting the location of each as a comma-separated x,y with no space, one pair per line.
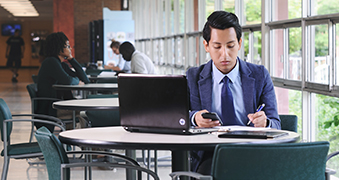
5,168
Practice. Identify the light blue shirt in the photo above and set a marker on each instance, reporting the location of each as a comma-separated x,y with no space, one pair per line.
124,65
236,88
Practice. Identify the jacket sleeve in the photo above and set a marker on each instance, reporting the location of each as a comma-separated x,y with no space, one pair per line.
79,71
57,72
269,98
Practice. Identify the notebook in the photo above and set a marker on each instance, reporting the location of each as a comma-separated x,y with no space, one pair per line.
156,104
253,134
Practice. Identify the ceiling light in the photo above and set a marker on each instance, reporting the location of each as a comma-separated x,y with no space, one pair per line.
19,8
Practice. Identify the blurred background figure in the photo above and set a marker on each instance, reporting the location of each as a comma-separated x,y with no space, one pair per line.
14,52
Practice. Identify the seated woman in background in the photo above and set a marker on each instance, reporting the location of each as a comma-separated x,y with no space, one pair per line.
54,71
123,65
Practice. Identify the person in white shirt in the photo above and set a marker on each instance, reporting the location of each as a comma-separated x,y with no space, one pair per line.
140,63
123,65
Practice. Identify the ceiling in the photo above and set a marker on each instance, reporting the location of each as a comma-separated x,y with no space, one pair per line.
44,8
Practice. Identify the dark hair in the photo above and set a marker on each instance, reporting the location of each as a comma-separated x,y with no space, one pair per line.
126,49
115,44
55,43
221,20
17,30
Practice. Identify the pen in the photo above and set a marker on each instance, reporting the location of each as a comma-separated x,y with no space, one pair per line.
259,109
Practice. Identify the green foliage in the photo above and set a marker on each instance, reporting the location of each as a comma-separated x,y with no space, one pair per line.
253,11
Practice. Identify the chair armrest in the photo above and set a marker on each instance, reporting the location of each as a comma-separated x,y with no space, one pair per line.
45,99
195,175
61,126
105,164
57,120
332,155
118,156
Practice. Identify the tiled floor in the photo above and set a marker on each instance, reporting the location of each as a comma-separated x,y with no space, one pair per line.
17,98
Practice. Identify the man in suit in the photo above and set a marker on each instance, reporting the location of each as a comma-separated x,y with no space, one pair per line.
250,85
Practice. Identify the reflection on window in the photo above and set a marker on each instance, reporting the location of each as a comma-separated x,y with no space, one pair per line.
277,47
319,55
320,7
289,102
252,11
286,9
228,5
294,62
326,111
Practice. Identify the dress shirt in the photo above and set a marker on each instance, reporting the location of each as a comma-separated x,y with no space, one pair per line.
124,65
236,89
142,64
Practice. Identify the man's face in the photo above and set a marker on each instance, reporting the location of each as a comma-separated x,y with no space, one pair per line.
223,48
115,50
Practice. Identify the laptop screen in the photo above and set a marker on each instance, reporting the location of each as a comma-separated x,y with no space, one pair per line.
153,101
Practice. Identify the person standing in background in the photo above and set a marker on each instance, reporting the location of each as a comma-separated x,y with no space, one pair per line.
123,65
14,53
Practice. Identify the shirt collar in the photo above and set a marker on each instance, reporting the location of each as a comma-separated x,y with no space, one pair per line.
219,76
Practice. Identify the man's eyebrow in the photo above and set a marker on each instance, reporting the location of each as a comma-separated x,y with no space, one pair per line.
232,41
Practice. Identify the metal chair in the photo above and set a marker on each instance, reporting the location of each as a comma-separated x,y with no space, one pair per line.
289,122
19,150
291,161
58,165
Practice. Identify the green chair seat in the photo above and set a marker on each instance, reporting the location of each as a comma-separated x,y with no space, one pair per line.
18,149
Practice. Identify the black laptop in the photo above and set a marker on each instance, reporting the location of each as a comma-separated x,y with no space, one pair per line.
155,103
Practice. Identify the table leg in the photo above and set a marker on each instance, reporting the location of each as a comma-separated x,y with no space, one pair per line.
181,161
129,173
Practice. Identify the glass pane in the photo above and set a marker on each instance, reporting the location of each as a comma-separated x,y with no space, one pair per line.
320,7
277,52
228,5
245,44
294,61
209,7
182,16
289,102
252,12
257,47
319,55
337,55
326,112
286,9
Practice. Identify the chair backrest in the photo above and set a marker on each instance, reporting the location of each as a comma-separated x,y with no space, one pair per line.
289,122
291,161
32,90
5,113
35,78
104,118
53,151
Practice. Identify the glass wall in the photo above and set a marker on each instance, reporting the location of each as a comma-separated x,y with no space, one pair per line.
296,40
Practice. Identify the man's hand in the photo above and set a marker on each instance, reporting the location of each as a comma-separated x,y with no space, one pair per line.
201,122
259,119
81,83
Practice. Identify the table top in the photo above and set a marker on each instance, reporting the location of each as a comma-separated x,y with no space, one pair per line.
118,138
89,87
88,104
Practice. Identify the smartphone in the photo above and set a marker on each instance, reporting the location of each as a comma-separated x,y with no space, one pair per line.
211,115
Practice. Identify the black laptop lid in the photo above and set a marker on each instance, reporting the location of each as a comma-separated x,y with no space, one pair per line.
154,102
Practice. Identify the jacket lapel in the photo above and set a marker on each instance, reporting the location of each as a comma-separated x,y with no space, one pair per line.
247,86
205,86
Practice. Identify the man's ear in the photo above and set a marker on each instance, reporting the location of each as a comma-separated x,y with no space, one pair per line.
206,46
240,43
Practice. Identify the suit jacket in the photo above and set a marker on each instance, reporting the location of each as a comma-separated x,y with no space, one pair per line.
257,88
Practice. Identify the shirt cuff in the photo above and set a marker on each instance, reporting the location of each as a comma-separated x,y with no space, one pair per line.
268,123
193,119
